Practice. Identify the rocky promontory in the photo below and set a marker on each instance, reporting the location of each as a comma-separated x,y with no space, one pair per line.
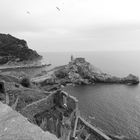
79,71
14,50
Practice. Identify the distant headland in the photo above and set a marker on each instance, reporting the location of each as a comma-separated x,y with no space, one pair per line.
14,50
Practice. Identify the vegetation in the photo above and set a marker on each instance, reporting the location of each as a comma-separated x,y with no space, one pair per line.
61,73
25,82
14,49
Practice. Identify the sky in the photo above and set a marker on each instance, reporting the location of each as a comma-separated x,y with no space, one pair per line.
73,25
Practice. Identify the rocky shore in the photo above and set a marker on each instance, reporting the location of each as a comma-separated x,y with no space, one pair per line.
78,72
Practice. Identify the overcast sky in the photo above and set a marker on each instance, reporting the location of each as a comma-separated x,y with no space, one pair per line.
73,25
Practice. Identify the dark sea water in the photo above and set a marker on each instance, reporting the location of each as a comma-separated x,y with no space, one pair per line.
114,108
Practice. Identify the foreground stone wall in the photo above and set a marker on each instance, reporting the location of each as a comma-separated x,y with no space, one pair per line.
13,126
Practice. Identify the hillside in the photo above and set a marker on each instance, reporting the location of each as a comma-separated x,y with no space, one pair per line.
13,49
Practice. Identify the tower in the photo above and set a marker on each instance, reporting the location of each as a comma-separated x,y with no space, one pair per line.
72,58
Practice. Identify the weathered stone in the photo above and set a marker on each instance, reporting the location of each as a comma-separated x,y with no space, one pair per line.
13,126
79,71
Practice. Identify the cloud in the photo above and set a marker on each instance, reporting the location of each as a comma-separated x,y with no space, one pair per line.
14,17
79,25
74,14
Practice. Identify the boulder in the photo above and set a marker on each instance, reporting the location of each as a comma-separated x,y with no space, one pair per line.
131,79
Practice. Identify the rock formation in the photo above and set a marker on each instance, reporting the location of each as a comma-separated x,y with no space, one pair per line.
79,71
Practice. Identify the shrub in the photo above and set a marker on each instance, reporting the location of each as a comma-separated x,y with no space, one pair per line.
61,74
25,82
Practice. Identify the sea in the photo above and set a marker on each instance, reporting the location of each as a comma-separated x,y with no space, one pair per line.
113,108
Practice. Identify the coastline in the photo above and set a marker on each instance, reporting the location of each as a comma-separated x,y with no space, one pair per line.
21,67
80,72
52,84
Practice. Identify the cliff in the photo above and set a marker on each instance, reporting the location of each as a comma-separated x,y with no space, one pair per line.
13,49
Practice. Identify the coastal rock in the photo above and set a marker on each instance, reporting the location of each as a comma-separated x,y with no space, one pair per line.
131,79
79,71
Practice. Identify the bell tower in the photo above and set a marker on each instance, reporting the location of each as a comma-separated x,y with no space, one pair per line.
72,58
